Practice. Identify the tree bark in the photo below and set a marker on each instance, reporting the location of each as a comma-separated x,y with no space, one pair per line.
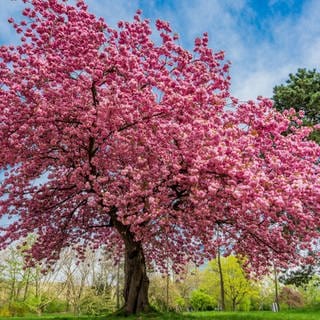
136,279
118,285
234,304
222,297
26,288
136,282
276,288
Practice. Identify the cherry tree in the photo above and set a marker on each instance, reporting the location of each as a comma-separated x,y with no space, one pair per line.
109,138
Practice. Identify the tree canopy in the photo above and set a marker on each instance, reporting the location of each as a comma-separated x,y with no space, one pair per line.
301,92
111,139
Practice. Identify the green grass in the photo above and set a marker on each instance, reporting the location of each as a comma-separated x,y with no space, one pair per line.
210,315
257,315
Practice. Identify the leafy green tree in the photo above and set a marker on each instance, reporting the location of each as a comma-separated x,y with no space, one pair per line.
187,282
17,278
311,292
301,92
236,285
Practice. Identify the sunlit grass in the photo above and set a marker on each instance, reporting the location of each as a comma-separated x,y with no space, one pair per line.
257,315
214,315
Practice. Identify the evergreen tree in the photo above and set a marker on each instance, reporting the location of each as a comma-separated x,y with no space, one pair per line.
301,92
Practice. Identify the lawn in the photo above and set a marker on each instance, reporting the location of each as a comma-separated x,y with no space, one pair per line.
256,315
253,315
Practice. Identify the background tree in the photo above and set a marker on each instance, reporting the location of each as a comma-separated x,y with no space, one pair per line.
301,92
311,292
158,294
187,281
87,286
237,288
298,277
76,278
108,138
291,297
262,295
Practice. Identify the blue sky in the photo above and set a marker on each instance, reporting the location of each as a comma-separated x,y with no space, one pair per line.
264,39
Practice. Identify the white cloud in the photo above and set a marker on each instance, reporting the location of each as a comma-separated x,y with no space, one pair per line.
258,62
258,82
313,57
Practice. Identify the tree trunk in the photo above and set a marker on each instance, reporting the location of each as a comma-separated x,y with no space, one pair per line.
234,304
136,280
118,285
222,297
26,288
276,288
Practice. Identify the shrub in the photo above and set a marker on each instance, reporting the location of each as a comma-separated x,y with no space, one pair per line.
18,309
201,301
95,305
5,311
56,306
